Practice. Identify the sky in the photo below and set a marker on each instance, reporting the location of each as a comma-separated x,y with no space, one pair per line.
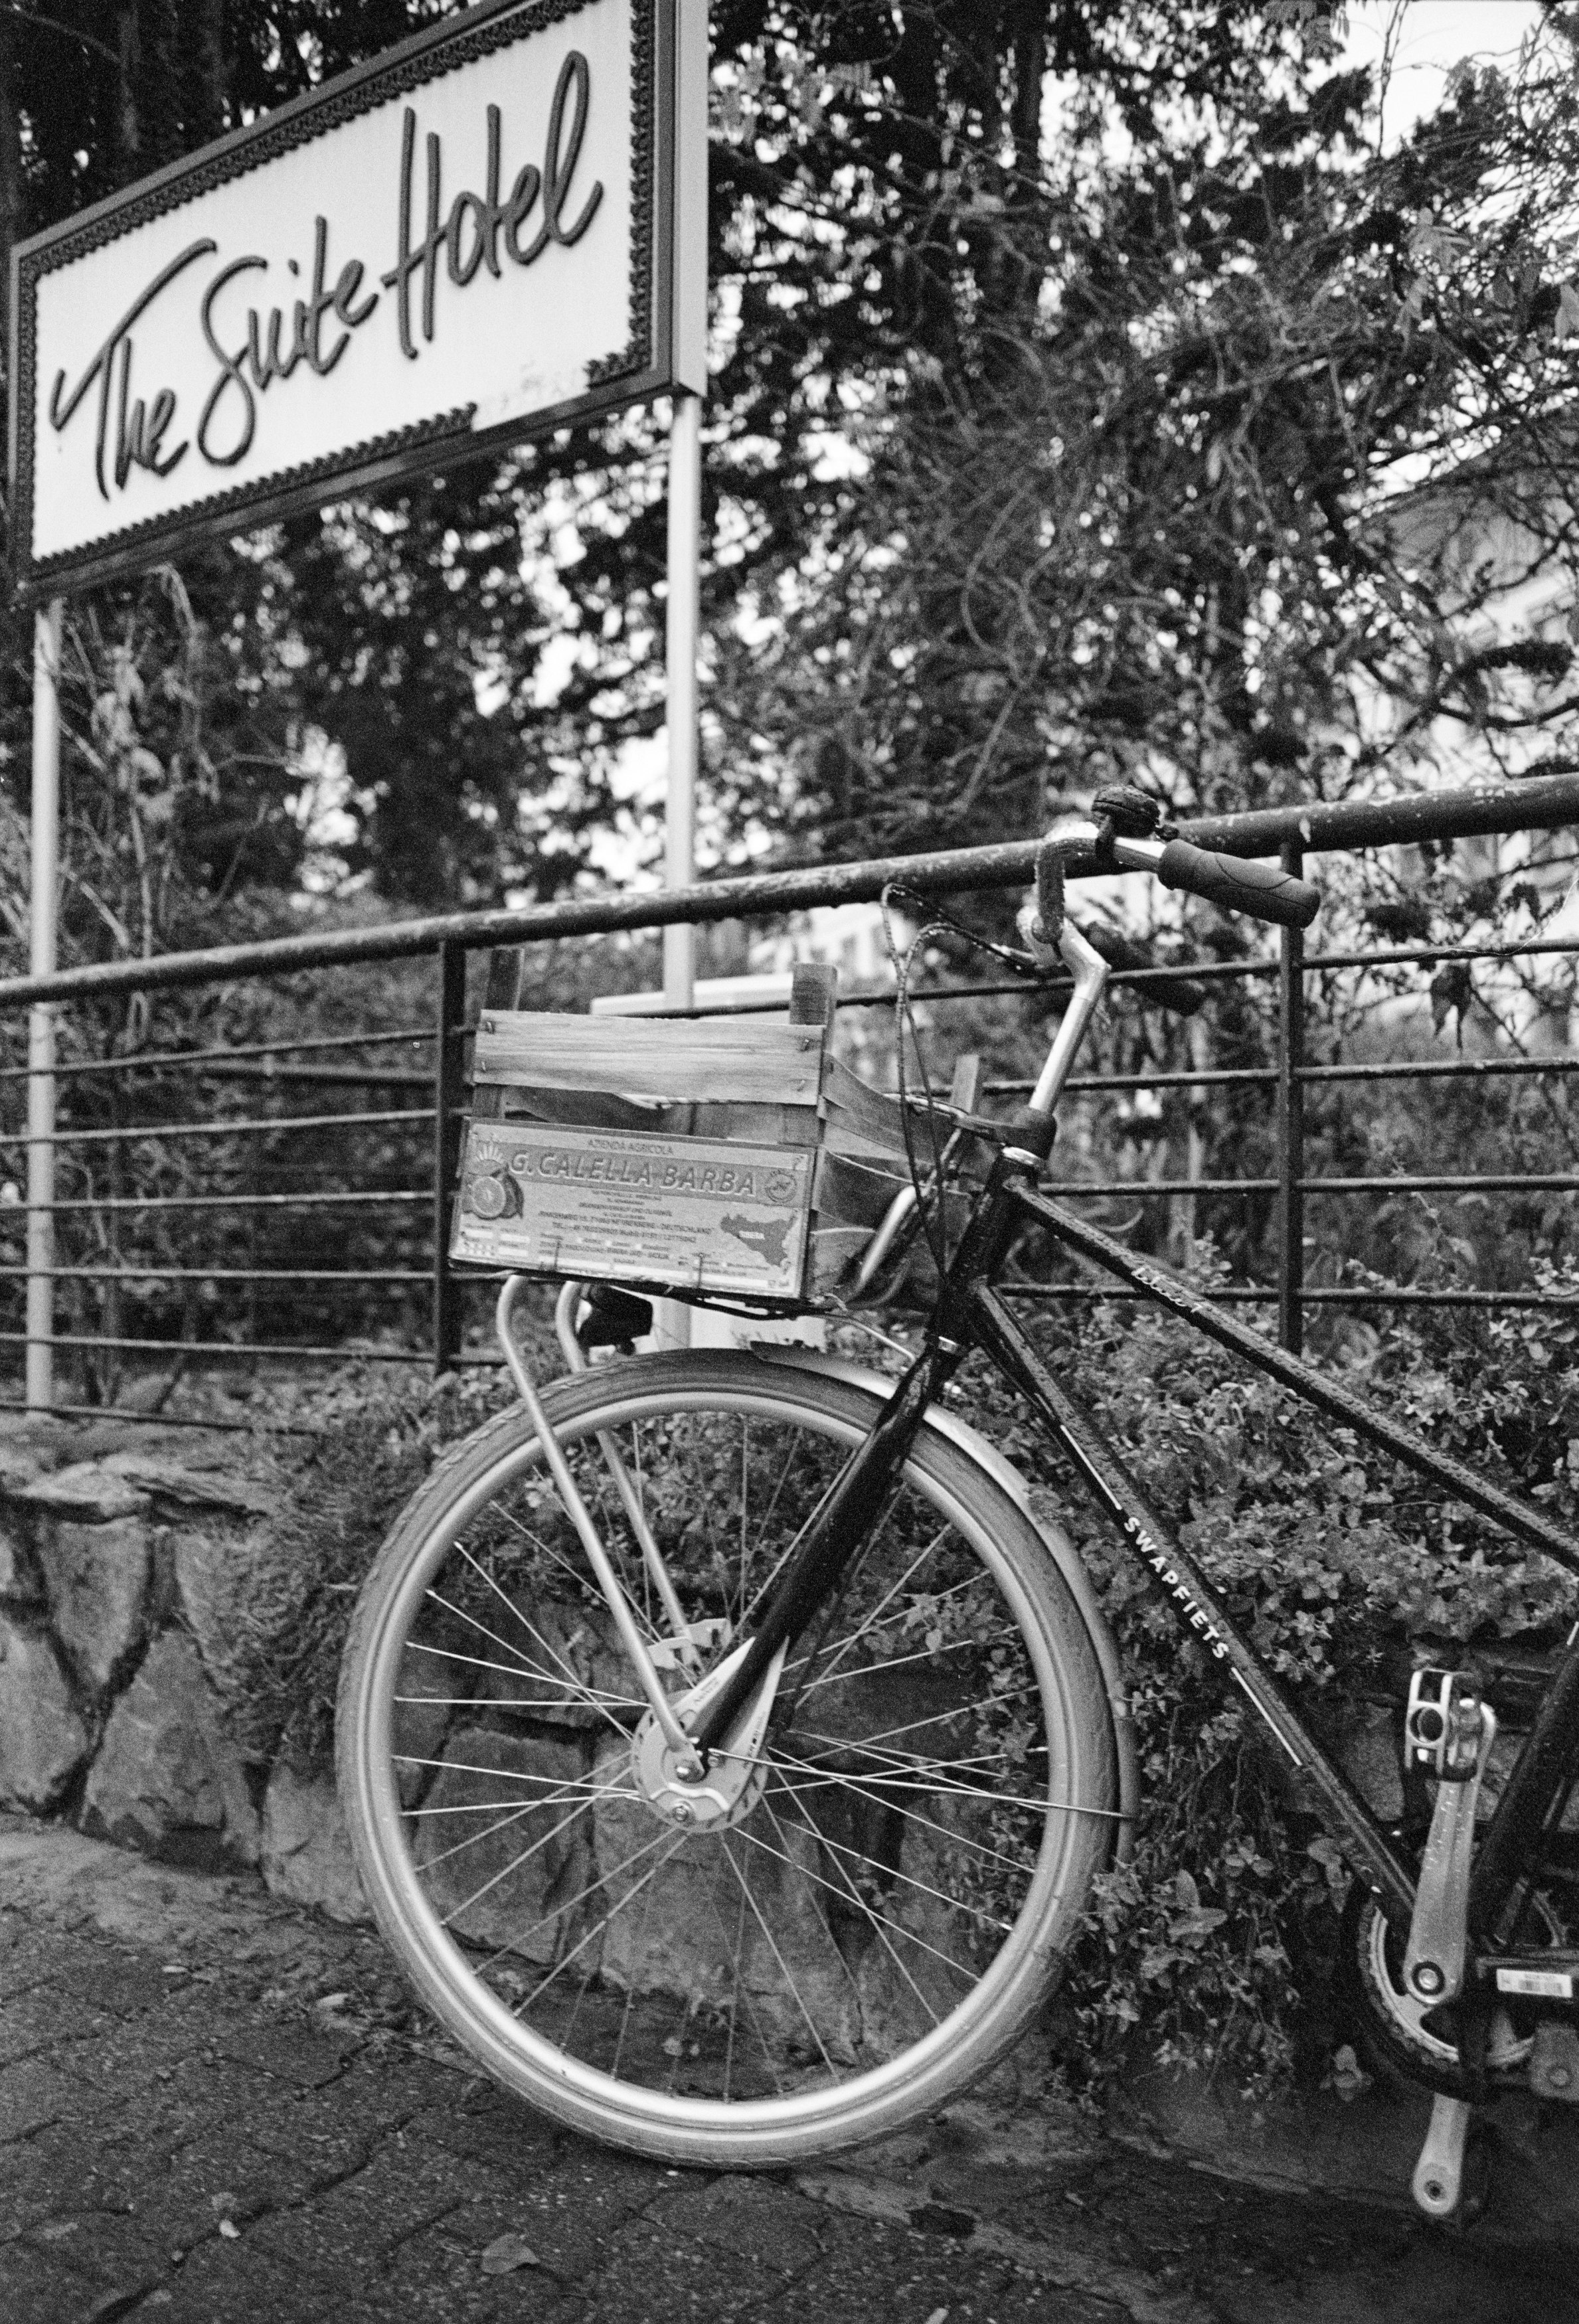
1428,38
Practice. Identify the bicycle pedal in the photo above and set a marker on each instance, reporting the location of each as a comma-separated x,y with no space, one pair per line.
1444,1724
1554,2061
1438,2179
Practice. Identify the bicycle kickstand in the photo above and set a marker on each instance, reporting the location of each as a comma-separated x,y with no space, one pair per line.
1448,1732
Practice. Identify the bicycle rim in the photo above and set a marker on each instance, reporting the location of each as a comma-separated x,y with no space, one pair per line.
933,1794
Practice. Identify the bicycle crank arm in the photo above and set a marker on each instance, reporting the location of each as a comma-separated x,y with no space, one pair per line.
1439,2173
1449,1731
598,1556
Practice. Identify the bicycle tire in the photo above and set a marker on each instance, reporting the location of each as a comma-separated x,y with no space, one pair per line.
920,1898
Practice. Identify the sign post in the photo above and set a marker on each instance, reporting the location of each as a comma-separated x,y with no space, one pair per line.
40,1018
683,621
494,231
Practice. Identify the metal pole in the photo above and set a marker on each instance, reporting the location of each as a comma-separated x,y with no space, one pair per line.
448,1096
684,621
41,1017
1291,1125
672,1319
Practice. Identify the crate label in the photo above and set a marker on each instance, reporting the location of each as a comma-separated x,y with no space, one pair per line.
702,1212
1540,1984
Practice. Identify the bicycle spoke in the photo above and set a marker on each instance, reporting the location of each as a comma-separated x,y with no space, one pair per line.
515,1863
575,1690
879,1922
878,1799
811,2023
888,1596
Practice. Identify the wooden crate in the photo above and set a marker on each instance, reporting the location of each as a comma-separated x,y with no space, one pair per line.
729,1156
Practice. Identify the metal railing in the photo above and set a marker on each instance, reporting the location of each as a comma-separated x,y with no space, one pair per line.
273,1231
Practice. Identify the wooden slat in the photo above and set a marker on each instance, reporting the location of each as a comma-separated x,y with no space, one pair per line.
851,1193
758,1125
710,1058
828,1253
813,993
506,968
965,1086
860,1116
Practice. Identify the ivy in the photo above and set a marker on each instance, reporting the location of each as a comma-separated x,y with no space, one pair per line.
1211,1948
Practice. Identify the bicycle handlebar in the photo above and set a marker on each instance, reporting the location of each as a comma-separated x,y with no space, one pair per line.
1262,889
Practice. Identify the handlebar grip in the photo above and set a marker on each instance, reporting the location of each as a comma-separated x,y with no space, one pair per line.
1264,890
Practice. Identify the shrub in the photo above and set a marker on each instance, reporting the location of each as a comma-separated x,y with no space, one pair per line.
1214,1944
292,1598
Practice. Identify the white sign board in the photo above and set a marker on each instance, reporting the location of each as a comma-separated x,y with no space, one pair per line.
485,233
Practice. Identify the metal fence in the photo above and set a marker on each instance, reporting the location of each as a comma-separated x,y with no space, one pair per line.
199,1177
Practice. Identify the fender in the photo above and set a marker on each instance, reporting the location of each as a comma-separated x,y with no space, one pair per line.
1059,1547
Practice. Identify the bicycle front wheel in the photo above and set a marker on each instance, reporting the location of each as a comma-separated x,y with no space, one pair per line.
884,1913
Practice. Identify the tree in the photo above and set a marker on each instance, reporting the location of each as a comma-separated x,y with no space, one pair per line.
1207,443
1090,397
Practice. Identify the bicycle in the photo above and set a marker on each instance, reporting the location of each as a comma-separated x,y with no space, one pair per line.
728,1747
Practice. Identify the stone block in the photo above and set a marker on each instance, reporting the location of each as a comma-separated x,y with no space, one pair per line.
1368,1750
96,1577
693,1933
503,1847
207,1593
168,1780
86,1491
190,1487
18,1577
429,1691
18,1470
43,1740
572,1669
306,1852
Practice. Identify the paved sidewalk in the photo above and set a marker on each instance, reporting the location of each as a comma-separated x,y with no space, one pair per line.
217,2110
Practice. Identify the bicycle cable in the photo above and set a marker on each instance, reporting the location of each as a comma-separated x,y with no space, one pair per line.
932,1205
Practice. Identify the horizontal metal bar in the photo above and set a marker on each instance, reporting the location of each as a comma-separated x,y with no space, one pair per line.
224,1274
325,1076
158,1130
300,1202
159,1058
1192,972
1431,956
1554,1184
1494,1300
1211,1079
119,1413
237,1348
1446,1069
1414,1069
1537,804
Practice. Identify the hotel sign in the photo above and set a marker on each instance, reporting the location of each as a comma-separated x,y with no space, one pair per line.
493,230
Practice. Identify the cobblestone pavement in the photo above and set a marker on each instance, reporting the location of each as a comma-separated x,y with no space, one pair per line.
217,2110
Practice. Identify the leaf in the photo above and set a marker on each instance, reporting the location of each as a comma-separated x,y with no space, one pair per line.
1566,325
1452,990
1347,2078
1195,1928
505,2254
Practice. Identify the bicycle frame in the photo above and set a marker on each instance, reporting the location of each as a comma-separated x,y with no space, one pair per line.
970,1311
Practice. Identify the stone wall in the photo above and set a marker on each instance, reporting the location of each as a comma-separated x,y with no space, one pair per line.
112,1656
